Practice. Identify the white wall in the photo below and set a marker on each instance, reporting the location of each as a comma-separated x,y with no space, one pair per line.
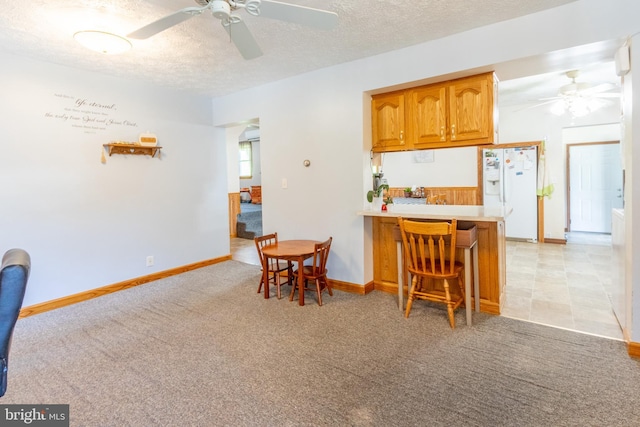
451,167
88,224
233,157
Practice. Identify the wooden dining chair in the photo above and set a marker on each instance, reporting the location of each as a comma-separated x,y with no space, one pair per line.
430,254
274,267
316,272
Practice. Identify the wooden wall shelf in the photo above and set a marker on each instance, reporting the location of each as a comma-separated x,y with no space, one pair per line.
132,149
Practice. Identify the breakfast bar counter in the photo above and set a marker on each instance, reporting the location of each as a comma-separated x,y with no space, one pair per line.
491,245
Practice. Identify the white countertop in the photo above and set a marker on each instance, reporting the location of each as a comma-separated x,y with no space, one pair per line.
459,212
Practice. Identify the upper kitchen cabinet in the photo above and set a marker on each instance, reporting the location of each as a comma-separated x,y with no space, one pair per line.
472,110
454,113
427,115
388,122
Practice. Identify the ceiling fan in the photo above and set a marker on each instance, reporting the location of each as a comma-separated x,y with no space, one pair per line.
238,31
579,98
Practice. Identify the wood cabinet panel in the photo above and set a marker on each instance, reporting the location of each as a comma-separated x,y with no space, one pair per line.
234,211
427,114
388,121
384,258
470,109
453,113
453,195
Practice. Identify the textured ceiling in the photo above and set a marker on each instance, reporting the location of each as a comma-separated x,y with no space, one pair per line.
197,55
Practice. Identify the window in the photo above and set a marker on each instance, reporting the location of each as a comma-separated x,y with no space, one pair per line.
246,160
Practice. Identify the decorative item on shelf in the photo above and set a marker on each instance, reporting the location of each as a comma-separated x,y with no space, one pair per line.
125,147
377,196
388,203
148,140
378,192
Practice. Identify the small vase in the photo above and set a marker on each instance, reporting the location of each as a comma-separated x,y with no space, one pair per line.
377,204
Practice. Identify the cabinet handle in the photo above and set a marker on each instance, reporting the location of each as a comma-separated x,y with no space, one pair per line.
442,136
453,131
401,135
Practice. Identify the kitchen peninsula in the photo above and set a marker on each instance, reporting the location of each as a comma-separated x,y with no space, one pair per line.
491,243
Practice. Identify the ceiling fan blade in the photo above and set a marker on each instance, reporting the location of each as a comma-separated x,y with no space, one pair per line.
551,101
606,95
242,38
597,89
311,17
166,22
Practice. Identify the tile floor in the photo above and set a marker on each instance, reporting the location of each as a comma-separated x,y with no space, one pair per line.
562,285
557,285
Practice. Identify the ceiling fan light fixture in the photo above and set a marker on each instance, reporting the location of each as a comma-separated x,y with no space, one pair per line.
577,106
102,41
220,9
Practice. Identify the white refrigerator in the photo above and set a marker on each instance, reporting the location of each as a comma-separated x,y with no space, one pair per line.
510,179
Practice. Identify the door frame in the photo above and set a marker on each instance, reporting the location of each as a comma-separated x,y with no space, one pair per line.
567,180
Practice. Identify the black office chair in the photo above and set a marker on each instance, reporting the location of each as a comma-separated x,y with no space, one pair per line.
14,274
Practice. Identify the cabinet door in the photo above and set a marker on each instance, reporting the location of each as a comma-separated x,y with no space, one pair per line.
387,121
470,108
385,267
427,109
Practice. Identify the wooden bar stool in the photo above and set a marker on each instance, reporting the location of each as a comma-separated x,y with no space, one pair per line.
430,254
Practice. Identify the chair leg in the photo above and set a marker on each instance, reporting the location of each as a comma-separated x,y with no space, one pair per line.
293,289
452,319
261,282
327,285
276,278
290,278
411,297
319,291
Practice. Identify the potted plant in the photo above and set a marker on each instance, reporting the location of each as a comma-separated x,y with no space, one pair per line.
379,192
407,192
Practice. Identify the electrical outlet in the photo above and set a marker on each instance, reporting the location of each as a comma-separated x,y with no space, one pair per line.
150,261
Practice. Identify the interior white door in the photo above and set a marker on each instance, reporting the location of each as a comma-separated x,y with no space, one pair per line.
595,186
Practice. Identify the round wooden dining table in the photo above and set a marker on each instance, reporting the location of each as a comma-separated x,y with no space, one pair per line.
290,250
